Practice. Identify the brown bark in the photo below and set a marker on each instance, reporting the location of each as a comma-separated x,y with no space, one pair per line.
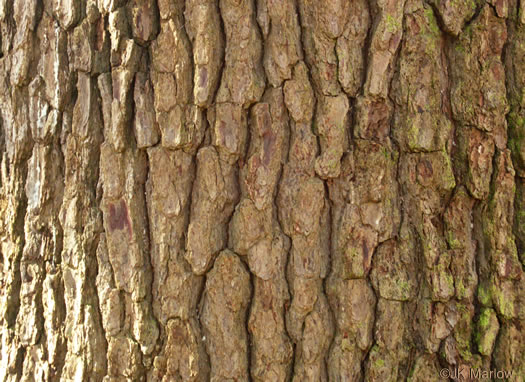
261,190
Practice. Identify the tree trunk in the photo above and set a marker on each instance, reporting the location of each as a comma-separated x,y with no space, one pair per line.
261,190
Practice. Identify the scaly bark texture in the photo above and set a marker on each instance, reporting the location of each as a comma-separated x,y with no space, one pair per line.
261,190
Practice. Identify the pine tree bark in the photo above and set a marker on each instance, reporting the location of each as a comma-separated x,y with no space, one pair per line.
261,190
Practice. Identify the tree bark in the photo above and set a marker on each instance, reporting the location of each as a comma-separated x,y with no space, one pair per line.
261,190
